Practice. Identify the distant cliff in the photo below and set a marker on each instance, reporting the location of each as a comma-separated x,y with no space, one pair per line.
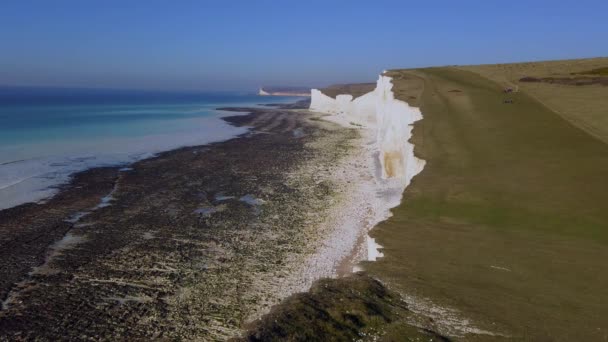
284,91
354,89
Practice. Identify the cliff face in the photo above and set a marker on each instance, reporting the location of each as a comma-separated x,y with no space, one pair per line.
391,120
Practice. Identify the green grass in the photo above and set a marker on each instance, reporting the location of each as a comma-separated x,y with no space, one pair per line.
583,106
354,308
505,186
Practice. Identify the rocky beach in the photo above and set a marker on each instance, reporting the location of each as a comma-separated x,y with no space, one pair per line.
192,243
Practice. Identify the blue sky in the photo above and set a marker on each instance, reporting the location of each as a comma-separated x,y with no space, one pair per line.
239,45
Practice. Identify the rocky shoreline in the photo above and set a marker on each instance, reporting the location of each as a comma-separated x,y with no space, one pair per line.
192,243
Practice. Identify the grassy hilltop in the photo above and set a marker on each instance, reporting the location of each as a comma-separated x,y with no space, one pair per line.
508,222
574,89
506,226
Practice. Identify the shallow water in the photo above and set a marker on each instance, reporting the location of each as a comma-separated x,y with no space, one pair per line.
48,134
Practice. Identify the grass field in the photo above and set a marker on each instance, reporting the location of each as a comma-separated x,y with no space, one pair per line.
584,106
508,222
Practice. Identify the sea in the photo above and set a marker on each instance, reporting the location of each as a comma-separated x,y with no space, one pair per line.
47,134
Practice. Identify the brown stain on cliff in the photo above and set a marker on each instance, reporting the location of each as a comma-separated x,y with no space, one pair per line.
392,162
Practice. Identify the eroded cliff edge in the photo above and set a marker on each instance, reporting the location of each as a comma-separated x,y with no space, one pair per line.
358,307
390,119
385,124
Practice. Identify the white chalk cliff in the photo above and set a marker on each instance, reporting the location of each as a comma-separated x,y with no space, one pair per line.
387,128
388,157
391,119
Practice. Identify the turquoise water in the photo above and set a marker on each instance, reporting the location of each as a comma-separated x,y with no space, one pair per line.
46,135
